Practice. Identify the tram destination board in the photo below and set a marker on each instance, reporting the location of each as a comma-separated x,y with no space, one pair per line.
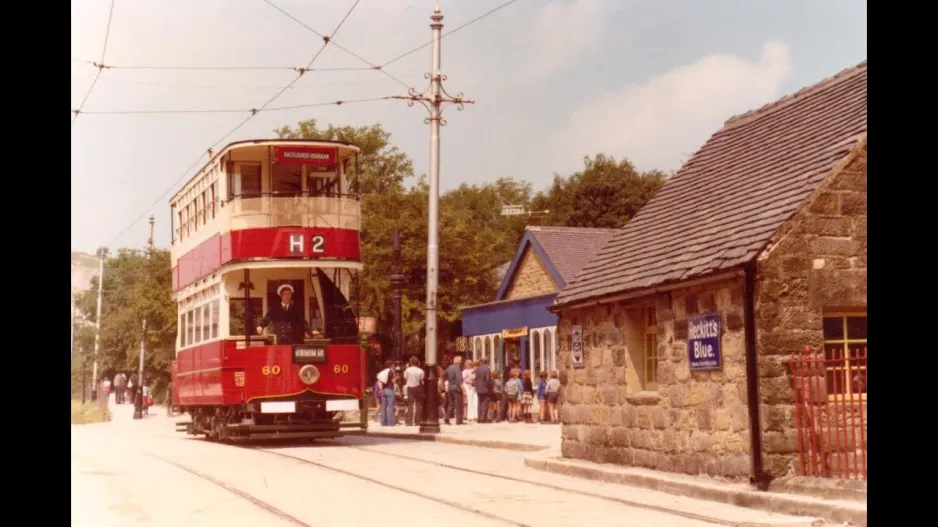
309,354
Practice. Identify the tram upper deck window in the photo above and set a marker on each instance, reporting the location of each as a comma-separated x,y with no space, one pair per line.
321,181
245,181
286,180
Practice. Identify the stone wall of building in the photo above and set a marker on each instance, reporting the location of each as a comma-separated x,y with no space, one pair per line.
531,277
694,422
817,261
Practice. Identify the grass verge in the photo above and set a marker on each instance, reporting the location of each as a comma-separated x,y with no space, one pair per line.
90,412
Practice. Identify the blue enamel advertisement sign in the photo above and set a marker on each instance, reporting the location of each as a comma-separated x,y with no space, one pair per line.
703,342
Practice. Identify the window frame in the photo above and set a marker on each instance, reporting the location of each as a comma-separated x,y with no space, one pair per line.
846,370
256,316
649,356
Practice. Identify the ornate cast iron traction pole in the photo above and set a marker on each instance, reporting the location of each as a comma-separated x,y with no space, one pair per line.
433,100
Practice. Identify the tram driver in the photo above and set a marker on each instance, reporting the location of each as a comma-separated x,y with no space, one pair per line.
287,317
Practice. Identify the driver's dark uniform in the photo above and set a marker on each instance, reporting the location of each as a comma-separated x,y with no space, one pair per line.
289,324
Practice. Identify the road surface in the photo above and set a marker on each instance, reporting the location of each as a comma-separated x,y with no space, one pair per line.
144,473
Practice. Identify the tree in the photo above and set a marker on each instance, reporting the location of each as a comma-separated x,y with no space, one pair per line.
605,194
137,284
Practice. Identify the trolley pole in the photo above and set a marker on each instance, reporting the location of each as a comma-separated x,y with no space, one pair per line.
433,100
397,280
138,400
102,255
71,347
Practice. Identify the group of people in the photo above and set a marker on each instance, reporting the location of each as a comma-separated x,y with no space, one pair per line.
470,392
123,388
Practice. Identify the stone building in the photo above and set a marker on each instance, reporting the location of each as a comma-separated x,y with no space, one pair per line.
516,327
675,340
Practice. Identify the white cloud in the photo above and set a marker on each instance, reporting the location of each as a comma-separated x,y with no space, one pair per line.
660,122
561,33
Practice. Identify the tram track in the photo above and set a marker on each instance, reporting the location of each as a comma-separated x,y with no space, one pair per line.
261,504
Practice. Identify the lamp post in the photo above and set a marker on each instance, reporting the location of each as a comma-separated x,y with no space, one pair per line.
102,255
433,100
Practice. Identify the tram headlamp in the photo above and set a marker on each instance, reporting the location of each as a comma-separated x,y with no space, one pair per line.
309,374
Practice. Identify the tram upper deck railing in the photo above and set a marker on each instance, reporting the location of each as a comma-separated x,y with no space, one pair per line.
260,210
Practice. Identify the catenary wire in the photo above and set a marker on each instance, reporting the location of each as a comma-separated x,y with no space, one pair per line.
242,110
242,123
474,20
261,87
97,75
371,65
101,65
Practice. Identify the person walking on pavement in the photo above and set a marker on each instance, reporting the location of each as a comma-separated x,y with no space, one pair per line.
484,388
413,380
386,382
131,385
119,382
454,389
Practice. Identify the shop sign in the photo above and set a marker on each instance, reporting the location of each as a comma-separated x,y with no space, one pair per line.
703,342
514,333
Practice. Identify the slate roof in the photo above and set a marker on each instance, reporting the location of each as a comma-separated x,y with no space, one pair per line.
723,206
570,248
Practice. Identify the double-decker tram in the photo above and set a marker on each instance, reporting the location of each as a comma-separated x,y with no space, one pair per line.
266,260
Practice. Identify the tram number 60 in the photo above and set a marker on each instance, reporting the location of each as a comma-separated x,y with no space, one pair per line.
340,368
318,244
271,370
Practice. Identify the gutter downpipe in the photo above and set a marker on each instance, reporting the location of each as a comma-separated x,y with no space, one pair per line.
758,477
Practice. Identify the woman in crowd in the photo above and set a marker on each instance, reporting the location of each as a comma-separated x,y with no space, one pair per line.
472,398
527,396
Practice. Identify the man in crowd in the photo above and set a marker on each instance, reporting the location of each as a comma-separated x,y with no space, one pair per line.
413,382
454,393
484,388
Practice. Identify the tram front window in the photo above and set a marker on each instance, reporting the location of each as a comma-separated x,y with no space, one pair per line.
286,180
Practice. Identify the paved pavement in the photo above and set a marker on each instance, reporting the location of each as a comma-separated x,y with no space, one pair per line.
509,436
144,473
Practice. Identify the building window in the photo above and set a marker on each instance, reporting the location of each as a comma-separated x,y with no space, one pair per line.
845,354
214,197
550,357
651,348
236,315
182,330
205,206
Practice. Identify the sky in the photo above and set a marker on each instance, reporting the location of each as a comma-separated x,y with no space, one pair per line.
553,81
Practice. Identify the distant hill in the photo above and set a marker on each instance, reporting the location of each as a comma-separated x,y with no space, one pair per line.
84,266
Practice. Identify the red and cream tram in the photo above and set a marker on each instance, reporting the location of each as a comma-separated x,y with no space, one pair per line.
259,215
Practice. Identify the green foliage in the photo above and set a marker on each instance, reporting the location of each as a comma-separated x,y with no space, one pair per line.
606,194
137,285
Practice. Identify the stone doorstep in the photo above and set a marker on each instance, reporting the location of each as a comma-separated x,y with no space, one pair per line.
835,510
446,438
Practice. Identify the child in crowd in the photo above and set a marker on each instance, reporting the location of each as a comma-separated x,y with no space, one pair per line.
542,398
527,396
495,402
513,390
553,395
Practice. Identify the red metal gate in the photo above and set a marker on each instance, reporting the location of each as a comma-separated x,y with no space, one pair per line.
830,411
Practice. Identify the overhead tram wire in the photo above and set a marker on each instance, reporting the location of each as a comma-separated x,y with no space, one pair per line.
242,123
474,20
97,75
242,110
215,68
371,65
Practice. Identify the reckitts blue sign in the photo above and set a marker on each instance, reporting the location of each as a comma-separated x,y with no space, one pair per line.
703,342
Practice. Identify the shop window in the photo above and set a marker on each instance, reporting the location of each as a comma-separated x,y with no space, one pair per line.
236,315
650,348
845,354
536,352
550,352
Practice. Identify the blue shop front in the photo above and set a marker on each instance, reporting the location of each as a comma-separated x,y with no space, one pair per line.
516,328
